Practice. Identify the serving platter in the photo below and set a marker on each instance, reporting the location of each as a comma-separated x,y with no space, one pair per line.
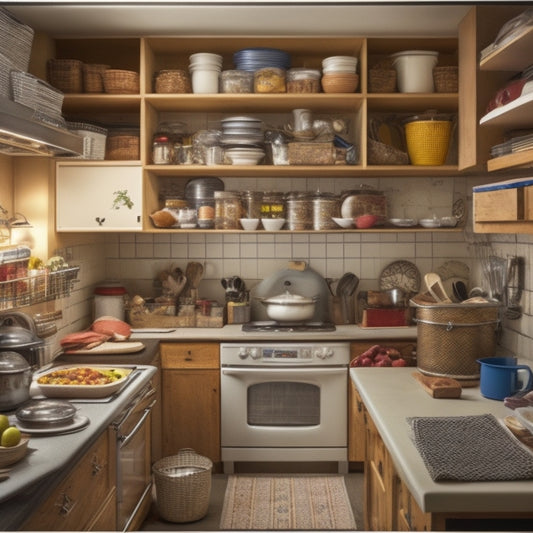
110,348
77,423
81,391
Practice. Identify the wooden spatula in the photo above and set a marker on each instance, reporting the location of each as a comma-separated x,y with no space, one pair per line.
436,288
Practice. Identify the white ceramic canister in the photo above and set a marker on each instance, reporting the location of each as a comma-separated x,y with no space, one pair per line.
415,70
109,300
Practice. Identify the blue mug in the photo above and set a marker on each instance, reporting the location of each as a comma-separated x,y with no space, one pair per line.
501,377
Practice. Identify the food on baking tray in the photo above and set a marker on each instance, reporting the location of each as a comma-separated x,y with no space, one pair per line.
81,376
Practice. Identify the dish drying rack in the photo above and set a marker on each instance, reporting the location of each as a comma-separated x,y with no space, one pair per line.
37,286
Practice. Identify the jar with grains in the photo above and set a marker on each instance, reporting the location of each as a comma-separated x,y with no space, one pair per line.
270,80
161,150
300,211
228,210
325,206
251,203
172,81
236,81
303,80
273,205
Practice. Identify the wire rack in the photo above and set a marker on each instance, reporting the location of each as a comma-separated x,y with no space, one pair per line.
36,287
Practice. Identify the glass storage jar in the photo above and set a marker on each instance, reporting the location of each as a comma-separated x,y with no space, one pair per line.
273,205
251,204
161,150
228,210
300,212
236,81
270,80
325,206
303,80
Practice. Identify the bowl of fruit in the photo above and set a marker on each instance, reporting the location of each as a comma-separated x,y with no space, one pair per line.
13,443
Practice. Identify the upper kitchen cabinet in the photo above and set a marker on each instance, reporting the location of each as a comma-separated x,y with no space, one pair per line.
103,197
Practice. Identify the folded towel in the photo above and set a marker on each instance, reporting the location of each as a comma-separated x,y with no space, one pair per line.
470,448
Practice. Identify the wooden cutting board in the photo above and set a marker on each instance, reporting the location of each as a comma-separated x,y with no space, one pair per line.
112,348
438,387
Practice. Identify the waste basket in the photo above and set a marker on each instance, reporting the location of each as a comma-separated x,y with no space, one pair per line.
183,486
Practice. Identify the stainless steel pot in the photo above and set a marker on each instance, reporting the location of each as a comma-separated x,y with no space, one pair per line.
15,380
289,307
24,342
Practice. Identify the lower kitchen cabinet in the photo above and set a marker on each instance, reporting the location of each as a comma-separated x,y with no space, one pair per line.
409,515
86,498
191,398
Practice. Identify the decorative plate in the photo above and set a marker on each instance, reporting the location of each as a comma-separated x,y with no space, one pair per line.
400,275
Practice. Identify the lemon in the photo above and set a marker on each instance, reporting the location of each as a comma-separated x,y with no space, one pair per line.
10,437
4,423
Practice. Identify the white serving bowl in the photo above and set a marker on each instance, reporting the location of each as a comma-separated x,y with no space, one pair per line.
249,224
429,222
273,224
244,157
343,222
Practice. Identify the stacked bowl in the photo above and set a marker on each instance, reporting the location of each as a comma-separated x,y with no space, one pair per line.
252,59
205,70
242,139
339,74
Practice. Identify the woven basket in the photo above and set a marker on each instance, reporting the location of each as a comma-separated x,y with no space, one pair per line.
35,93
183,486
123,147
173,81
121,81
428,141
446,79
451,337
16,40
94,139
13,454
65,75
383,154
382,80
93,78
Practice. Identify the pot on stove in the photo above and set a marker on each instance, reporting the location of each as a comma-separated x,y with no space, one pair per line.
15,380
288,307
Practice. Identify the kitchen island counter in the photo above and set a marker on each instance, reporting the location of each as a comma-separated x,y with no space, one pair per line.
51,457
390,396
233,332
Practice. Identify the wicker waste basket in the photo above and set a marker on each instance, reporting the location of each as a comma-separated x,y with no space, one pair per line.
450,337
183,486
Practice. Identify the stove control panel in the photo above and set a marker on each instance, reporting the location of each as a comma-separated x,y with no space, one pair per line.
249,354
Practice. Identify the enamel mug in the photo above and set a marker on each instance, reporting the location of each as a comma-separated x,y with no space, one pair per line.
501,377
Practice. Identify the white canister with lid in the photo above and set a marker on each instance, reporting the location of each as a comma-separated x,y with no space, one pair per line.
109,300
415,70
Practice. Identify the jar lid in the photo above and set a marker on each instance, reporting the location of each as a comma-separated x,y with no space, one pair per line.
11,362
301,73
161,139
110,290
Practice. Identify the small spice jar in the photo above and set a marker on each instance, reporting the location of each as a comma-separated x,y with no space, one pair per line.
273,205
300,212
325,207
251,203
270,80
236,81
161,150
303,80
228,210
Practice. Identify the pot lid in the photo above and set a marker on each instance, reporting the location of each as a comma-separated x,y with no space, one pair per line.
430,114
18,337
363,189
287,298
11,362
47,411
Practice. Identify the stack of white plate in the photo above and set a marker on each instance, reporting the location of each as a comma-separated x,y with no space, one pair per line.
252,59
242,138
339,64
205,69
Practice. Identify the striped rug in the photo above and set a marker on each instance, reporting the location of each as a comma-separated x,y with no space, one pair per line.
271,502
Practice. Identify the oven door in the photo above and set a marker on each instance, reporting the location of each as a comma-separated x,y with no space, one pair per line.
284,407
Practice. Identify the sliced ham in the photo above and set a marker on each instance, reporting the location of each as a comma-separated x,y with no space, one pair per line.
116,329
83,340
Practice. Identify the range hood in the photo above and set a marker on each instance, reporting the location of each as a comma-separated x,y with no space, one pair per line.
24,132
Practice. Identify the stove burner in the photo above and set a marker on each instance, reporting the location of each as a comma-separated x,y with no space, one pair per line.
288,326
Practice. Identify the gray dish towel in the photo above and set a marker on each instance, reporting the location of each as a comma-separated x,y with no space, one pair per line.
470,448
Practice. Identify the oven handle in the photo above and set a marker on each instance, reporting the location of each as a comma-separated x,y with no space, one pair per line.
308,370
125,439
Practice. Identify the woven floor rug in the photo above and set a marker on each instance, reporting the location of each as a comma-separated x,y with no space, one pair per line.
271,502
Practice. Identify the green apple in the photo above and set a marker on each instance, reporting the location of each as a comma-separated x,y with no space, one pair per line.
4,423
10,437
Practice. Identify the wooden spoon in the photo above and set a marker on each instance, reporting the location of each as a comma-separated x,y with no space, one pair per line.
194,273
436,288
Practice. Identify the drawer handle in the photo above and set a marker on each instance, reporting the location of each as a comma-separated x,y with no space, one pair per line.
380,468
66,506
360,406
96,466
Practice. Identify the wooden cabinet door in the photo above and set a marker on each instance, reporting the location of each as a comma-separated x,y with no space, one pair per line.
380,483
191,412
410,516
101,198
356,426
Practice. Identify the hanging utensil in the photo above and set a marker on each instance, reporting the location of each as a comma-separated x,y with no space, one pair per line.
436,288
460,291
514,287
347,284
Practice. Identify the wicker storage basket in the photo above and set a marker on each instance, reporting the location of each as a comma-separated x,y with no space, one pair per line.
446,79
428,141
379,153
121,81
382,80
35,93
94,139
183,486
123,146
173,81
65,75
93,78
16,40
6,66
451,337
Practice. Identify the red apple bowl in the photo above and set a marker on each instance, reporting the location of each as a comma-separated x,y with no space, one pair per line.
365,221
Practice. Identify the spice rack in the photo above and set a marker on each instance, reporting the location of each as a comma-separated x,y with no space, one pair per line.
37,287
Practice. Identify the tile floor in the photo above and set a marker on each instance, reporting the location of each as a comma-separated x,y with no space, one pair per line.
354,486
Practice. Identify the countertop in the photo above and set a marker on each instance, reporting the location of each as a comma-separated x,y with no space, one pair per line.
51,457
391,395
233,333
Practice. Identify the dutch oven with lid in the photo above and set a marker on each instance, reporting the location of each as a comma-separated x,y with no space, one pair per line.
23,341
288,307
15,380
